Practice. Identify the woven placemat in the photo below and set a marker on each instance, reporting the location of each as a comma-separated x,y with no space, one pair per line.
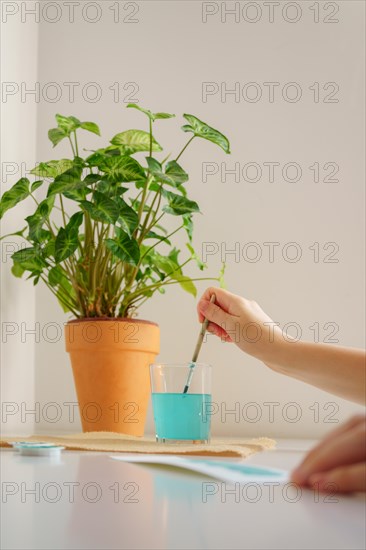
117,443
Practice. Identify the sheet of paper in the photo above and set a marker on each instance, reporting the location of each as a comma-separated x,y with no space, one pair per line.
232,472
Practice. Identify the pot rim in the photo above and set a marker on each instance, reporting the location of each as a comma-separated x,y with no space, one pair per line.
114,319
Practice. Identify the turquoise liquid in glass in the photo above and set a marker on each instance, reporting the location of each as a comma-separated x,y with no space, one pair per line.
183,416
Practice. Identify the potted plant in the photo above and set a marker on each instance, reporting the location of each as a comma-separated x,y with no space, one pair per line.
93,240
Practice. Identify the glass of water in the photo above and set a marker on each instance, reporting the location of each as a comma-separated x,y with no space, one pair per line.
181,416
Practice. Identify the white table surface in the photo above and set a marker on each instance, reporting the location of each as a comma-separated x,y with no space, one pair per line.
139,506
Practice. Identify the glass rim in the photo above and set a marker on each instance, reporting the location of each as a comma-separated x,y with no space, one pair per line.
180,365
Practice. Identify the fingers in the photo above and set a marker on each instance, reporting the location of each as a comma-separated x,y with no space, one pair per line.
348,447
224,300
218,313
333,434
221,323
352,422
343,479
219,331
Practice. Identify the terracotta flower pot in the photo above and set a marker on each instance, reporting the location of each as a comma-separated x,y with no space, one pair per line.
110,361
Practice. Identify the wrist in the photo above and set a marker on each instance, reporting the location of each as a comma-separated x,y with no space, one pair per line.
275,351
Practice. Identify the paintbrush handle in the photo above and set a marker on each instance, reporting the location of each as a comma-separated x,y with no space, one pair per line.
202,334
197,348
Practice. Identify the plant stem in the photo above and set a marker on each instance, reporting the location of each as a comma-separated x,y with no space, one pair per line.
63,210
35,200
143,199
71,308
167,276
76,144
135,199
136,269
150,130
144,225
72,147
184,148
163,283
158,242
155,220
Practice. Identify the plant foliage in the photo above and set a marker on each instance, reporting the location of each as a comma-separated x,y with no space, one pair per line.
94,237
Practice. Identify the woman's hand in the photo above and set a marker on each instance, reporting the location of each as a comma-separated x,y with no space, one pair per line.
340,460
335,369
235,319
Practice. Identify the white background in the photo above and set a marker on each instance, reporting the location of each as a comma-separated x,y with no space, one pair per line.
168,53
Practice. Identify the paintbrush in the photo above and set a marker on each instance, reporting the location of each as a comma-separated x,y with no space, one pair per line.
198,348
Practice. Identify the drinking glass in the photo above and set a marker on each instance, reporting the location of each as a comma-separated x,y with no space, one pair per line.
179,416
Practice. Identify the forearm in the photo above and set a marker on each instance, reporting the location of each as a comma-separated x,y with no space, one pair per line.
334,369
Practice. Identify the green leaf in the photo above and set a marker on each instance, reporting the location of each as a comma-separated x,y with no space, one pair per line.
109,188
69,184
162,115
73,190
153,235
103,208
66,244
56,135
16,194
15,234
48,248
90,127
113,150
122,168
66,178
96,158
67,123
187,284
35,185
17,270
124,248
173,254
178,205
92,178
57,277
39,218
169,265
137,203
174,174
52,169
154,165
135,106
75,221
163,263
29,259
195,257
134,141
128,218
188,226
67,239
152,116
202,130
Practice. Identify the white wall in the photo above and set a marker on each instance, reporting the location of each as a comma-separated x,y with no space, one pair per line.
168,54
19,62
